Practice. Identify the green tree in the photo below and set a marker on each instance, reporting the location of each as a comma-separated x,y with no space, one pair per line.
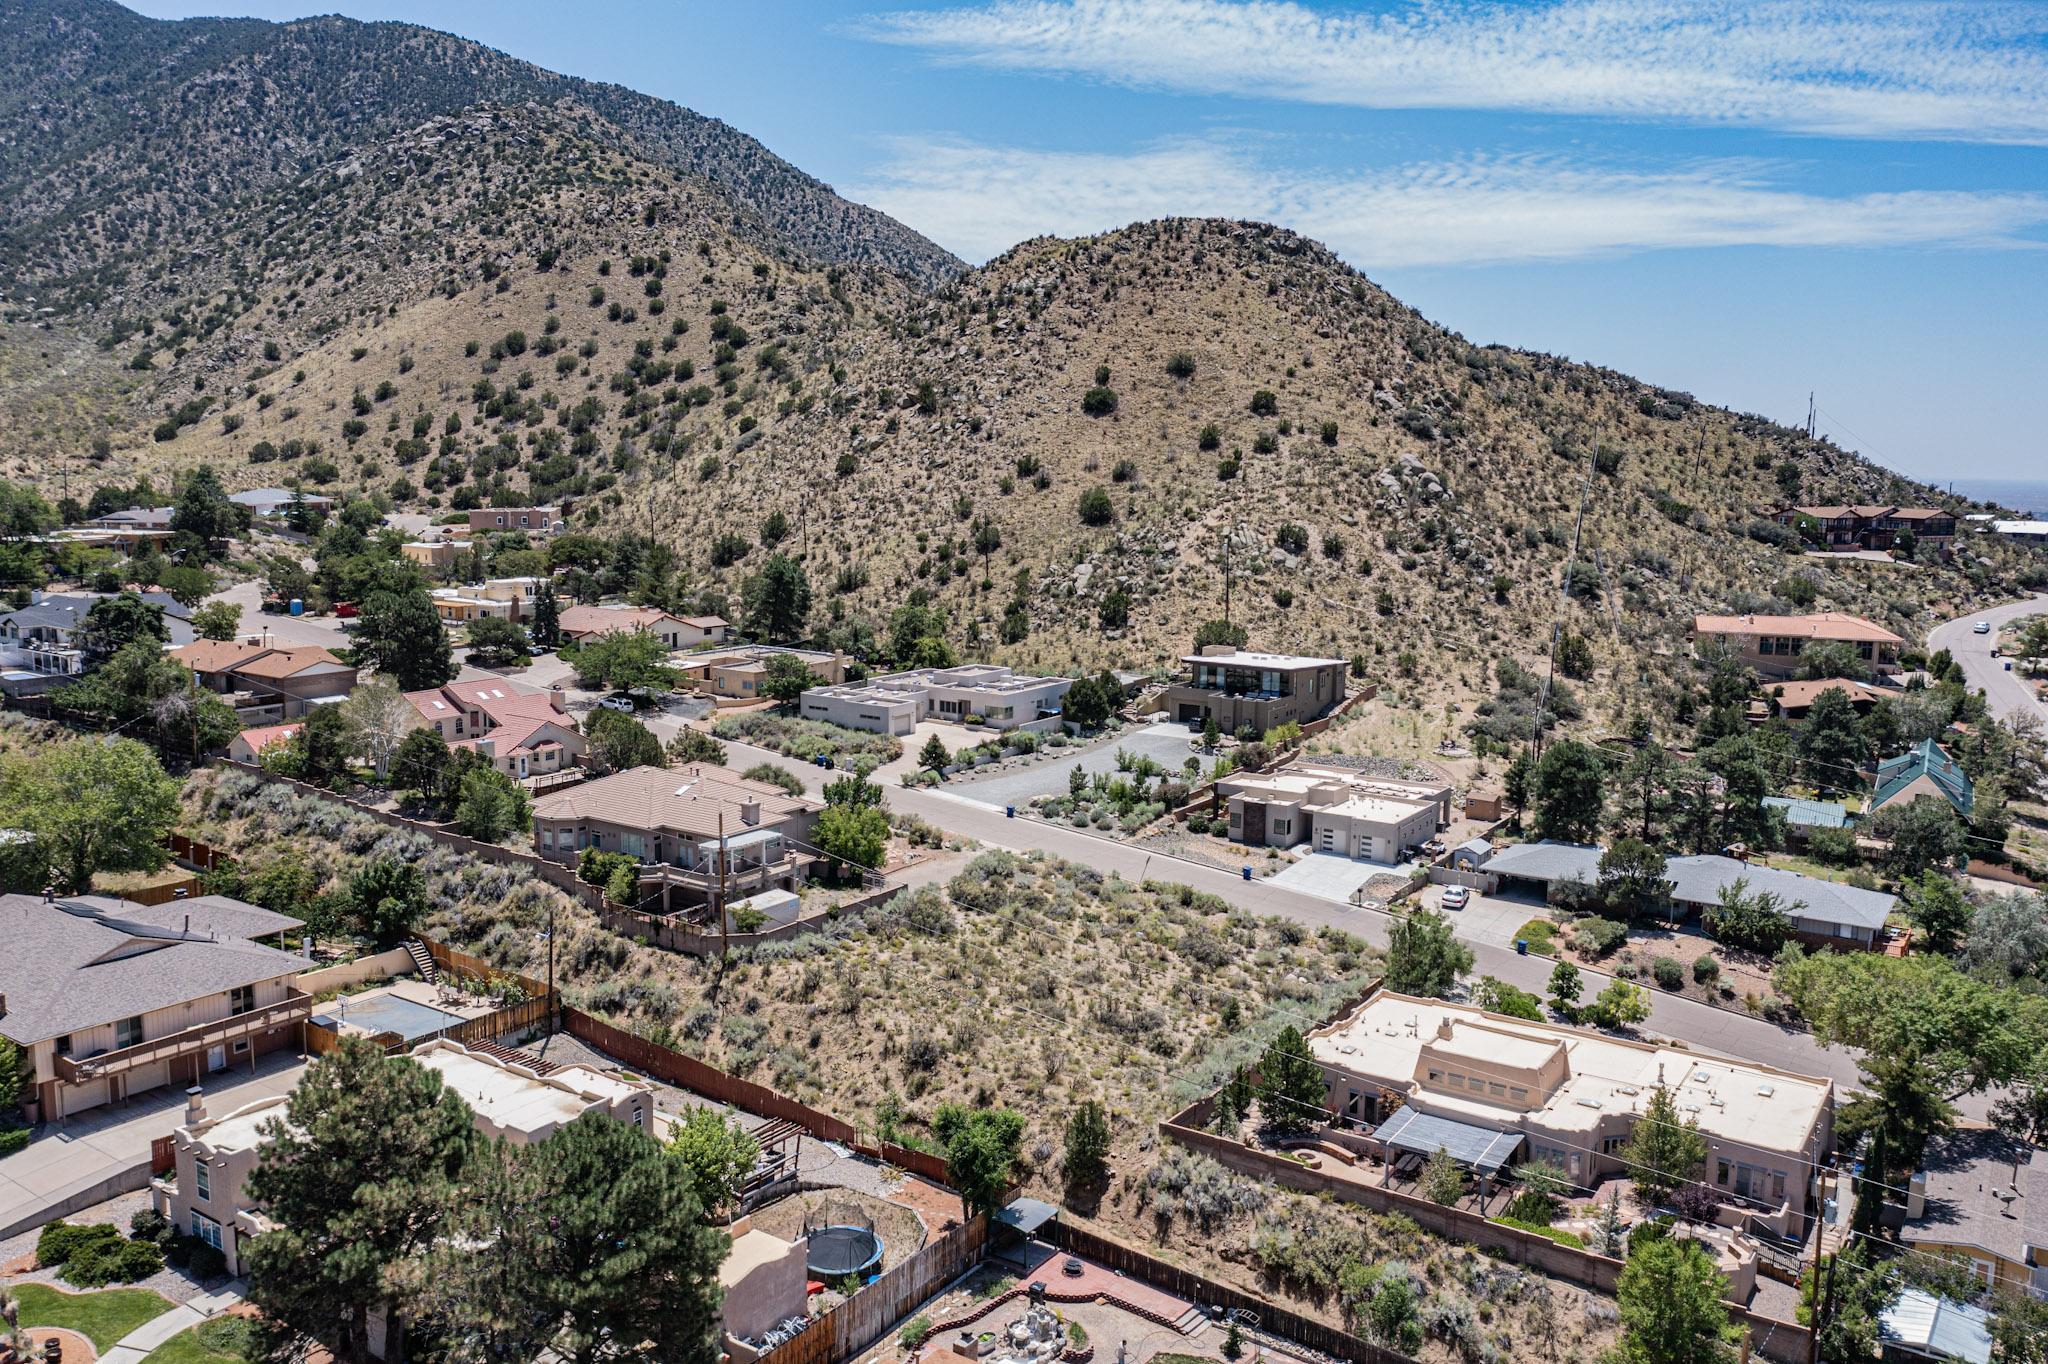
1085,704
546,627
933,755
390,896
1663,1153
495,643
1220,632
695,746
617,742
1620,1005
1424,956
1500,997
217,620
856,834
623,660
490,805
1632,877
716,1154
778,600
787,678
1087,1159
981,1146
92,805
1754,921
202,515
1935,905
1565,986
1831,741
1096,508
1670,1299
143,684
1924,835
1442,1179
421,763
1568,792
1291,1087
379,720
400,633
1861,1291
853,790
14,1081
1642,793
113,623
359,1180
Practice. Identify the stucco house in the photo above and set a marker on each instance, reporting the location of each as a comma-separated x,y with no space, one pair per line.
1334,809
268,683
1772,644
1241,689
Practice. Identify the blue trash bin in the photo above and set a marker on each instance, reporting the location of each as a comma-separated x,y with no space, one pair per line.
1521,947
1009,812
1247,872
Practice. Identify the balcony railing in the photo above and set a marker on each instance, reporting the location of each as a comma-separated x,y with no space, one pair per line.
738,875
79,1069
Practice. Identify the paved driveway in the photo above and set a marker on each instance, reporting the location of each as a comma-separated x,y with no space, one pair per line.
2010,696
1328,876
83,1157
1491,919
1168,744
286,631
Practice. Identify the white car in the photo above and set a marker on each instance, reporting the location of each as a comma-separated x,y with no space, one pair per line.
617,703
1982,627
1456,897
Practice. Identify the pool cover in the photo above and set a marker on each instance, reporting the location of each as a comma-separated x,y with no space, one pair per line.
389,1013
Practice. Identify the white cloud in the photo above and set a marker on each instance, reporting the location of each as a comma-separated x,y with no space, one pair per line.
1967,70
979,200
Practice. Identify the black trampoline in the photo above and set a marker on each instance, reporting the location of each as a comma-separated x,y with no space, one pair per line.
841,1241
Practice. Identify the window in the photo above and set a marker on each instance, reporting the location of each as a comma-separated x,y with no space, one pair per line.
1609,1145
64,1045
202,1179
205,1229
1721,1173
1496,1089
1280,826
128,1032
1518,1094
241,999
1778,1186
241,1048
1436,1077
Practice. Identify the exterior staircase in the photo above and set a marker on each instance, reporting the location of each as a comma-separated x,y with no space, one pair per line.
1192,1322
423,960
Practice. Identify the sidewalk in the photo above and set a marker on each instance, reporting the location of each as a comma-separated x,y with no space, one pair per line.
89,1158
134,1347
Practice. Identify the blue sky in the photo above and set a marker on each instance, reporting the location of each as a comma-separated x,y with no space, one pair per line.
1746,201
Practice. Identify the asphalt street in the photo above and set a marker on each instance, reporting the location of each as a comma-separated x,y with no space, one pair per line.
2009,694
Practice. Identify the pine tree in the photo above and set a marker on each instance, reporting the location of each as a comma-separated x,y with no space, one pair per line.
1669,1296
1662,1152
1291,1087
1087,1147
546,629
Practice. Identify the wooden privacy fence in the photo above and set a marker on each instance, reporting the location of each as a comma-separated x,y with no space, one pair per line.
163,1154
687,1072
674,935
183,889
193,853
1184,1283
876,1310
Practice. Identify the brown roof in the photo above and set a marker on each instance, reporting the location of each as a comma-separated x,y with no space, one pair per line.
1919,513
602,620
683,800
217,655
286,662
1825,625
1801,694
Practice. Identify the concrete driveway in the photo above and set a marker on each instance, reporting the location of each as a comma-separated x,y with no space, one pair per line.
1328,876
1169,744
89,1158
2010,696
1490,919
281,630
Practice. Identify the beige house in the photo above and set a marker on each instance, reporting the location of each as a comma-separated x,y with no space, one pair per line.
1772,644
533,520
1423,1073
110,999
983,693
267,683
435,554
250,745
764,1280
584,622
206,1195
1240,689
680,824
736,676
1983,1197
1335,809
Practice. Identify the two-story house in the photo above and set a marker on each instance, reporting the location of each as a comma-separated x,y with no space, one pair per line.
268,683
680,823
1772,644
46,636
110,999
532,520
526,734
1241,689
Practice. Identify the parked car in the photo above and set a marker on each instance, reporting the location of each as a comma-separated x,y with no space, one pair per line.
1982,627
617,703
1456,897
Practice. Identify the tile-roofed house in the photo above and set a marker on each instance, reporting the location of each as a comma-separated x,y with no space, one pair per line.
110,999
1772,644
671,820
1926,769
250,745
585,621
1981,1195
1871,525
526,734
268,682
1795,698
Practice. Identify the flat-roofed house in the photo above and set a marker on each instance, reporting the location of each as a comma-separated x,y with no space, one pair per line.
737,675
434,553
1772,644
269,502
1422,1073
1334,809
532,520
1240,689
110,999
894,702
676,822
518,1098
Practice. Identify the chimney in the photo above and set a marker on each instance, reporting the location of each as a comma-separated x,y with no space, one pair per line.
1217,650
1443,1027
1916,1196
750,812
195,1107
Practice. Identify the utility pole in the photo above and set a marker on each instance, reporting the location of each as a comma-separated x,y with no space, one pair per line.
724,917
1809,414
1229,536
1564,592
1819,1235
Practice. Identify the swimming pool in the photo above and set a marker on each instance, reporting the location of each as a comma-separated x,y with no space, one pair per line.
388,1013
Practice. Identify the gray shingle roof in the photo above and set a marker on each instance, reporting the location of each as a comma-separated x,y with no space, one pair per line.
73,965
1700,880
208,916
1547,861
1970,1194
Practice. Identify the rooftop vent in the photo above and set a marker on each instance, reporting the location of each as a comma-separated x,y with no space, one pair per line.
1765,1091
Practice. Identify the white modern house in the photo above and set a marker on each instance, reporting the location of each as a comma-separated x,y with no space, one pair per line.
983,693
